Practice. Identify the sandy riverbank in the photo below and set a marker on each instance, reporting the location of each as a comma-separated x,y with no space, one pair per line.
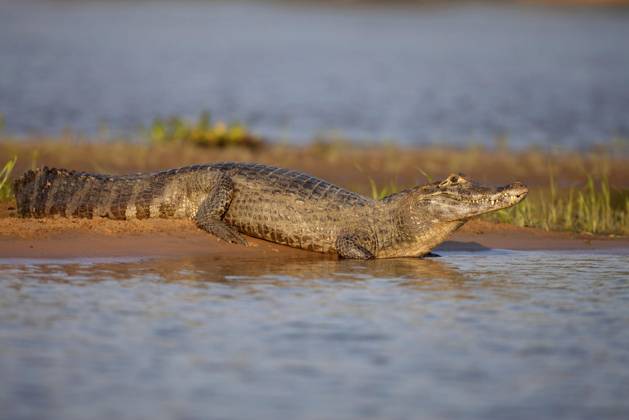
81,238
356,168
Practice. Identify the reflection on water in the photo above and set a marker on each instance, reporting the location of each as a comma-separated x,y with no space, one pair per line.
460,74
470,335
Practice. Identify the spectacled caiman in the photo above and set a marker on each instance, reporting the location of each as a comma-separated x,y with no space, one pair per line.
279,205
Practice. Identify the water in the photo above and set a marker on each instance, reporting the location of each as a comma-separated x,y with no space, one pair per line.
551,77
471,335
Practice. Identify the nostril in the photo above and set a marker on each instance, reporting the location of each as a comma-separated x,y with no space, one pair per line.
520,194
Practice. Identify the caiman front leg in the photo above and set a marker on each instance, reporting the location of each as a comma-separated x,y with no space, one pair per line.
355,246
212,209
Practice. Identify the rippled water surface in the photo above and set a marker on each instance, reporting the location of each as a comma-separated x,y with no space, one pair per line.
538,75
493,334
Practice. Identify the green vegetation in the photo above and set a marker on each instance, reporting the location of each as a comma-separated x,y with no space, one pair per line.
380,193
5,186
593,208
202,133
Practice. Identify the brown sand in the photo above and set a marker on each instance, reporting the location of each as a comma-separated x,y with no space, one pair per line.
74,238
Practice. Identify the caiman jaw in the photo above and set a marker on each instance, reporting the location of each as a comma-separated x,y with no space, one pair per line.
504,197
471,200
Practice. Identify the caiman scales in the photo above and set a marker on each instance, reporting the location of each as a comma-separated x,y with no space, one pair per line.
279,205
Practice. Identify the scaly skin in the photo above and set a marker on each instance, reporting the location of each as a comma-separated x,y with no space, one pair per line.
278,205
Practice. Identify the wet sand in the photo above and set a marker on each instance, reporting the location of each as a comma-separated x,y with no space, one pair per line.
83,238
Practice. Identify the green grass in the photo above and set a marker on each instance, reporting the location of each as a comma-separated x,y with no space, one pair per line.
378,193
202,133
6,191
593,208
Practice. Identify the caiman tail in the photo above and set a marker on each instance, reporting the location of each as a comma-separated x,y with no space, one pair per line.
50,191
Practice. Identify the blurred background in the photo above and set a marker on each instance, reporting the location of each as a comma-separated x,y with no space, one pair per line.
376,97
448,73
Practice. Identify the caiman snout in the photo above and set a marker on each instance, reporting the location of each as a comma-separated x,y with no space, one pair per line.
516,191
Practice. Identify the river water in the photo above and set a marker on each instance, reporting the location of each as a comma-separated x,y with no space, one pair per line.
446,75
470,335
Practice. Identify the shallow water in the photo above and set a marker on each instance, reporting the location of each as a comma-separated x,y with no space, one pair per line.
546,76
492,334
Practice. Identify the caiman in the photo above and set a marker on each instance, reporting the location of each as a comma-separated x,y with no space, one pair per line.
279,205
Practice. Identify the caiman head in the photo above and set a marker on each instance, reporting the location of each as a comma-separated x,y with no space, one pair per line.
458,199
427,214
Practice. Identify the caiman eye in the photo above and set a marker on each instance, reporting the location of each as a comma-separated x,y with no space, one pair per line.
452,179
